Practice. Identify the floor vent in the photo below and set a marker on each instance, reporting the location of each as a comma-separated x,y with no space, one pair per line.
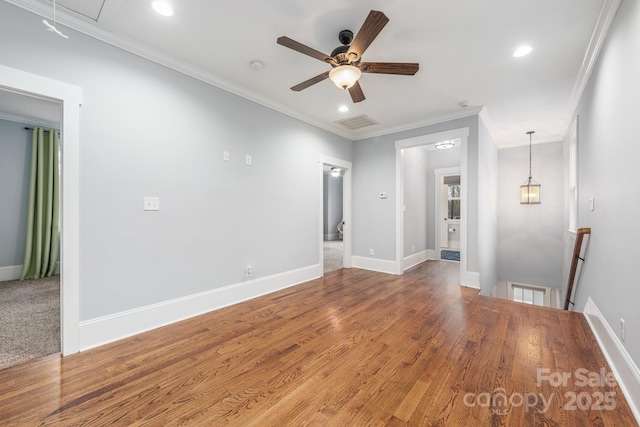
357,122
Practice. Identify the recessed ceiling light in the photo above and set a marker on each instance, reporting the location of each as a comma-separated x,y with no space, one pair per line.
343,109
162,8
522,51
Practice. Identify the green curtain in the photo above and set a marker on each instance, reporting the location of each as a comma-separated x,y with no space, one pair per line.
42,241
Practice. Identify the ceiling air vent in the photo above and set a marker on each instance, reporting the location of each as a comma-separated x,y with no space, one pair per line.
357,122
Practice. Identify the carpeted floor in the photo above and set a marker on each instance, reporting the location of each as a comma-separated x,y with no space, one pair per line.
29,320
333,250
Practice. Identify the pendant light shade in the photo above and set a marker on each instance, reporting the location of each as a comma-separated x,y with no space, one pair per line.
345,76
530,190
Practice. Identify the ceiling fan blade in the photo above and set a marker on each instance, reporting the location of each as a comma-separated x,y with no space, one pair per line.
310,82
306,50
357,95
404,68
370,29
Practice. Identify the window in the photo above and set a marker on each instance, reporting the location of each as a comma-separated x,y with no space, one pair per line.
453,201
529,294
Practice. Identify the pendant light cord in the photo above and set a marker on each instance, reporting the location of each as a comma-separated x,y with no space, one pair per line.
530,133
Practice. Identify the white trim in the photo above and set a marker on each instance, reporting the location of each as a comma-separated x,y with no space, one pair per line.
432,254
621,363
415,259
473,278
28,121
461,114
598,37
103,34
11,272
71,98
400,145
347,258
106,329
374,264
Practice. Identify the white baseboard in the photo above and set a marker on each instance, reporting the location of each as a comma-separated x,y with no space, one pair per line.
432,254
374,264
12,272
414,259
106,329
473,280
622,366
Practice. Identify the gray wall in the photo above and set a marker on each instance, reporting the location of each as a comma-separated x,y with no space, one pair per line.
15,158
531,236
608,153
415,200
332,209
487,210
149,131
375,172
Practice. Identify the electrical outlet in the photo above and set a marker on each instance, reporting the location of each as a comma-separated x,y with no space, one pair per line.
248,160
226,157
249,271
413,248
623,326
371,251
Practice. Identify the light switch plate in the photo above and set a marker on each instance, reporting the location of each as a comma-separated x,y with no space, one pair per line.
247,160
152,203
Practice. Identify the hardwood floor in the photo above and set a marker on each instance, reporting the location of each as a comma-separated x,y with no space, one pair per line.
354,348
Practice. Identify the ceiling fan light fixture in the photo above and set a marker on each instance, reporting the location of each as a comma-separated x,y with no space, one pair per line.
345,76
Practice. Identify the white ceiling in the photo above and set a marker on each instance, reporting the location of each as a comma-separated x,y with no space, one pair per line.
464,48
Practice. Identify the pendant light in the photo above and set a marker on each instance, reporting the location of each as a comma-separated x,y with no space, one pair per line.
530,190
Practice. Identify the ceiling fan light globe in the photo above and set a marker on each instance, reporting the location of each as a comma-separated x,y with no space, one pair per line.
345,76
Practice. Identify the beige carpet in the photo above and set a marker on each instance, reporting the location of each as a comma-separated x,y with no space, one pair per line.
333,250
29,320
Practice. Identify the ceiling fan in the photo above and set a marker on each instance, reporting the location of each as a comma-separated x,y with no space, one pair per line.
345,60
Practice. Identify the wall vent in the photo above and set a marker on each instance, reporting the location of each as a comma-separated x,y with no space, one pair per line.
357,122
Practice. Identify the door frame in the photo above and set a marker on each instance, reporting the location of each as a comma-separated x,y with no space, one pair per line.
419,141
70,98
347,261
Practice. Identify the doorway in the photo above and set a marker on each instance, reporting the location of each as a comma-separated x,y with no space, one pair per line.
447,208
335,215
30,308
461,135
69,98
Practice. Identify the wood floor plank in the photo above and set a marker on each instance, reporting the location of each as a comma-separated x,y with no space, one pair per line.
353,348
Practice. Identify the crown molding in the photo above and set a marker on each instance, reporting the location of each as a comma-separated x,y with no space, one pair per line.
90,29
598,37
467,112
24,120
